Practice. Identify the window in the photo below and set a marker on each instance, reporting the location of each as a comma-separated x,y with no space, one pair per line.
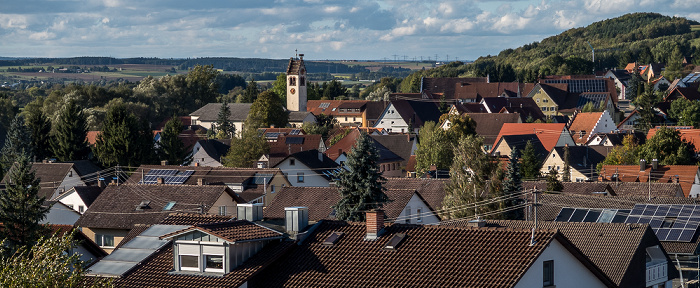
292,81
222,210
70,206
189,262
300,177
408,214
81,209
213,263
548,273
103,240
272,188
419,218
545,100
292,162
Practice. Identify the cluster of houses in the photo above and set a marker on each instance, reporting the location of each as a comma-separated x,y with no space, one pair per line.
271,225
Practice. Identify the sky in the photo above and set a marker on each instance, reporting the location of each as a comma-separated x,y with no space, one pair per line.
321,29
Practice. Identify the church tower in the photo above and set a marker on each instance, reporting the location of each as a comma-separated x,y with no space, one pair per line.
296,84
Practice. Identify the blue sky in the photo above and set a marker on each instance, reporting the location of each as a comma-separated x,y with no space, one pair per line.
322,29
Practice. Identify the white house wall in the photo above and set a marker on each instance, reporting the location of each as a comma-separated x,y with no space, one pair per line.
71,180
410,212
604,125
569,272
311,177
73,200
61,215
391,120
200,156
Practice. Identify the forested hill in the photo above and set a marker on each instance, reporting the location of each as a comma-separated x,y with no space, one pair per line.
642,37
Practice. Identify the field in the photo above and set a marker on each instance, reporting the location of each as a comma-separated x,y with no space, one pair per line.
131,72
694,27
376,65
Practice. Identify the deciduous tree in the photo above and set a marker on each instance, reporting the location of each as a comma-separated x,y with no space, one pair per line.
246,149
434,147
267,110
170,146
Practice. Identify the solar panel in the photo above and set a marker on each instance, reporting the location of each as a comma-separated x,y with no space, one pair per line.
656,223
324,105
662,211
592,216
670,222
169,206
649,210
673,235
564,215
294,140
578,215
621,216
295,132
661,233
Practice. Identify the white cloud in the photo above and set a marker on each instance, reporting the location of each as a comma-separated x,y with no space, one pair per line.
9,21
510,23
45,35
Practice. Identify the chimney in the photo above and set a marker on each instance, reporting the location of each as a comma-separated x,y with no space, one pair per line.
654,164
160,180
196,164
642,165
477,223
320,156
164,162
296,219
100,183
250,211
201,182
374,223
433,167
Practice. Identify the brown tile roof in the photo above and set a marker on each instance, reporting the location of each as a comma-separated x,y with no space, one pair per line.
482,90
400,144
411,164
318,107
584,122
429,256
91,137
642,189
210,112
618,249
346,144
548,133
432,190
488,123
417,111
115,208
580,188
154,271
687,134
664,174
318,199
285,146
446,85
87,193
231,231
50,174
211,175
193,219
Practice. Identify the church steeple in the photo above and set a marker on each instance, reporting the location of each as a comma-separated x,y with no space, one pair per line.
296,84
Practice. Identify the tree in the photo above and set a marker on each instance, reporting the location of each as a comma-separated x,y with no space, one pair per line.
70,132
124,140
333,90
201,85
18,142
633,85
251,92
674,69
645,103
45,265
223,128
460,126
474,177
435,147
530,164
40,128
266,111
21,208
566,176
553,183
170,147
621,155
323,126
685,112
280,87
361,186
512,185
668,148
246,149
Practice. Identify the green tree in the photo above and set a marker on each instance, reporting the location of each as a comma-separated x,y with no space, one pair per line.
40,128
512,185
435,147
685,112
170,147
223,128
674,69
626,154
361,186
246,149
70,131
280,87
18,142
266,111
668,148
460,126
202,86
645,104
46,265
530,166
633,85
251,92
474,177
566,176
553,183
333,90
21,209
124,140
323,126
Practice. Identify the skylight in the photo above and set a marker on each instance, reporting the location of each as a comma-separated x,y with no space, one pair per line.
169,206
395,241
333,238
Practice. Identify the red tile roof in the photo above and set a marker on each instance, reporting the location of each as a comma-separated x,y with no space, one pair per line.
687,134
664,174
495,89
91,137
332,107
547,133
584,122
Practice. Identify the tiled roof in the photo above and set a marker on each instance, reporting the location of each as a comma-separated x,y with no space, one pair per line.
211,175
193,219
584,122
548,133
318,199
556,91
346,144
487,123
643,189
401,145
432,190
283,148
618,249
85,168
331,107
154,271
311,159
580,188
50,174
298,116
88,193
115,208
520,141
446,85
480,90
429,256
91,137
232,231
419,111
685,174
210,112
411,164
251,193
215,148
687,134
296,66
584,158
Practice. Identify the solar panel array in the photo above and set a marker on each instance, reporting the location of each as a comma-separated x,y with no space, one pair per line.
170,176
324,105
260,178
677,223
295,132
294,140
691,78
592,215
581,85
272,135
583,99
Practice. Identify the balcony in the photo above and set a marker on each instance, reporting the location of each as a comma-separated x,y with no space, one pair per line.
656,273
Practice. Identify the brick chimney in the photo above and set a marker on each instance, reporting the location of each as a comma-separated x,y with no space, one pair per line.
196,164
160,180
374,223
201,182
164,162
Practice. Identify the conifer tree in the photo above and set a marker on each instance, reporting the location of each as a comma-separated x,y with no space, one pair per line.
124,140
251,92
224,129
170,147
17,142
20,207
40,128
512,184
361,187
70,134
566,175
553,183
530,166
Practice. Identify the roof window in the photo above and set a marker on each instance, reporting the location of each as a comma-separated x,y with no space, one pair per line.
333,238
395,241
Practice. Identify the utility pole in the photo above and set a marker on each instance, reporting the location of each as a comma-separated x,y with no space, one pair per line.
534,218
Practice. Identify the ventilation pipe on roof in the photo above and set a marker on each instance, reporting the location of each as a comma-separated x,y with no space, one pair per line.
160,180
296,219
654,164
250,211
642,165
164,162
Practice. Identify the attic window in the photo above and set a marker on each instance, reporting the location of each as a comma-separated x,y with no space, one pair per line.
333,238
169,206
395,241
143,205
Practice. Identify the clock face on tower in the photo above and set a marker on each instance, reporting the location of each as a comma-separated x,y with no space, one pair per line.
292,90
